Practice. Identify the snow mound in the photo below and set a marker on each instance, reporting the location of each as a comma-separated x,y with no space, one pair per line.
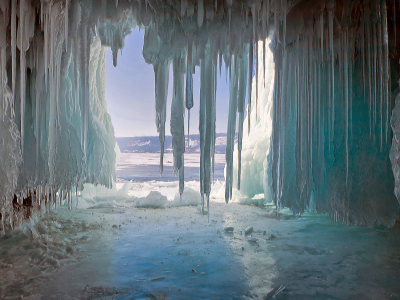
153,200
190,197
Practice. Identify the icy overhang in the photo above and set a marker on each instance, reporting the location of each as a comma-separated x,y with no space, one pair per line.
336,72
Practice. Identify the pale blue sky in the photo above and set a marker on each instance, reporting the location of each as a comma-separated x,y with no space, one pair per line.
130,93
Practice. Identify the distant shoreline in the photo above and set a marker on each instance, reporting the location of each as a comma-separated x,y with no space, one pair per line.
151,144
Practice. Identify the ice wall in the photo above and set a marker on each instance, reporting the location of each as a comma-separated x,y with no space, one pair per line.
55,130
332,102
254,166
334,82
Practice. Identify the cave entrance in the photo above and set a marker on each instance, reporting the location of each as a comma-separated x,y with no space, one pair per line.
130,96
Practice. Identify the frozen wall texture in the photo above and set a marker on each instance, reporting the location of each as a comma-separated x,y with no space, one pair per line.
328,76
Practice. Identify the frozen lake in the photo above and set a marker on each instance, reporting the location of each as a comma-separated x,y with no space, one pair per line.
146,167
111,248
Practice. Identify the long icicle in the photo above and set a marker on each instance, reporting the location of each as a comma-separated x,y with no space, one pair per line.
189,86
254,12
249,83
233,97
380,64
22,70
330,16
13,49
66,25
264,34
161,73
386,72
346,95
241,103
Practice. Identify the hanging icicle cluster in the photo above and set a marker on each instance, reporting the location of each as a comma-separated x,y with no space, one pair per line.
331,134
332,106
55,130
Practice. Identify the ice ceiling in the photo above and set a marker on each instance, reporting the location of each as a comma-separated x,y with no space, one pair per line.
335,142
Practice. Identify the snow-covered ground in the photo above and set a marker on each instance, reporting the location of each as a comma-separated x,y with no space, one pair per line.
118,246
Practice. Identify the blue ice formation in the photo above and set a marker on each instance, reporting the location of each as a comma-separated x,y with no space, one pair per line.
320,79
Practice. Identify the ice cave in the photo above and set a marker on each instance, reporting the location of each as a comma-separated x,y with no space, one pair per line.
301,203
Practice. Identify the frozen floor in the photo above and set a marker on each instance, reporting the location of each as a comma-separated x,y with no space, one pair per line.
118,251
175,253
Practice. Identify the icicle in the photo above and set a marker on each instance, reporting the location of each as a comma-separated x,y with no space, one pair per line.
374,74
276,21
177,121
189,86
188,139
386,70
254,12
240,107
394,22
264,30
346,95
207,112
161,74
249,83
40,75
229,21
363,61
214,117
207,116
381,87
66,24
321,32
267,16
368,34
330,16
22,69
202,128
233,101
84,76
283,4
46,51
200,13
13,49
351,46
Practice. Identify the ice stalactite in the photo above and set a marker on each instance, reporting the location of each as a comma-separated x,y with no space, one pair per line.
249,85
66,24
21,33
233,102
52,121
265,13
332,73
189,86
52,95
241,105
200,12
177,118
206,125
332,114
161,71
13,45
254,12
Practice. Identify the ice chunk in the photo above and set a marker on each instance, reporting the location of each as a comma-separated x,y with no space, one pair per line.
248,230
153,200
